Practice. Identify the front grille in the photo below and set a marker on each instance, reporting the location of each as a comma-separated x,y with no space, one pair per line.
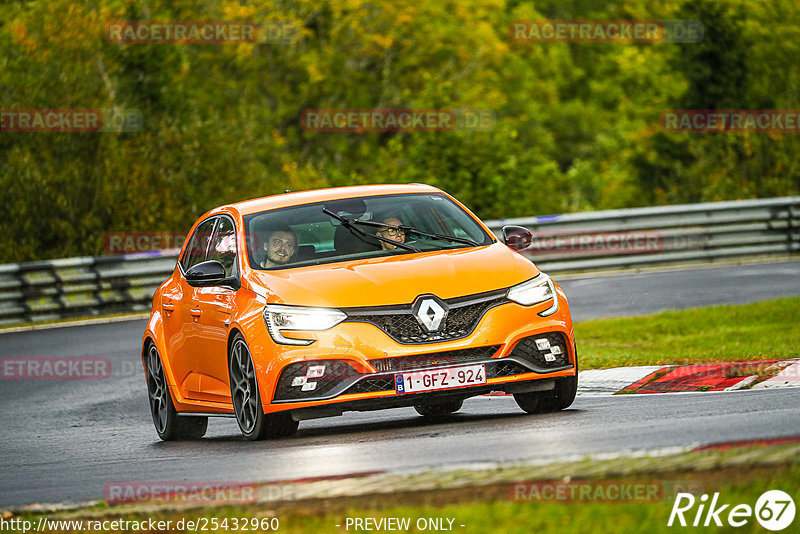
527,349
399,323
335,373
436,359
371,385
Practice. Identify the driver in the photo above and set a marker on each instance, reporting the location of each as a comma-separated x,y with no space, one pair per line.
280,246
393,234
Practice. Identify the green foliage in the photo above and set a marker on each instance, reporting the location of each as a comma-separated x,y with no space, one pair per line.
577,124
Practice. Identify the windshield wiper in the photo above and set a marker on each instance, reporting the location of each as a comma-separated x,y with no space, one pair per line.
350,225
411,229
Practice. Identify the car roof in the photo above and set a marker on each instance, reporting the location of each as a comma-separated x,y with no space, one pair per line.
320,195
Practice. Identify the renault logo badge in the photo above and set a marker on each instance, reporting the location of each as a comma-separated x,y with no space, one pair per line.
430,312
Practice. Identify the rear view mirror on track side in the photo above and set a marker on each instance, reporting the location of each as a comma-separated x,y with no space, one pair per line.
517,237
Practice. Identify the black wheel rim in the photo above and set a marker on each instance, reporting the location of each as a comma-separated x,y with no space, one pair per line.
243,387
157,389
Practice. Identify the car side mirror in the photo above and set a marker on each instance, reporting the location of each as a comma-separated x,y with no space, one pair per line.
206,273
517,237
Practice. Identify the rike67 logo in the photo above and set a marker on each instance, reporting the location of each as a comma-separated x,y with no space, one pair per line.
774,510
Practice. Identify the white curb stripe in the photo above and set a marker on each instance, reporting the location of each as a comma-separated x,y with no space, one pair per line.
742,383
789,377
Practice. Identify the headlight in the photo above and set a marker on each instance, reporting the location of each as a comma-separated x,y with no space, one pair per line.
281,318
540,289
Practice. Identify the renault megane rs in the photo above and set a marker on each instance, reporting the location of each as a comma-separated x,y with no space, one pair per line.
309,304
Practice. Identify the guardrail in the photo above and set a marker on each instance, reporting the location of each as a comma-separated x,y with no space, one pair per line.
614,239
640,237
76,287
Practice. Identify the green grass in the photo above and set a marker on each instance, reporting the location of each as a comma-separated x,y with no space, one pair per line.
578,517
759,331
501,513
490,501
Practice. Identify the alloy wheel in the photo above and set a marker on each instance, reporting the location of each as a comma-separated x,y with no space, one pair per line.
157,389
243,382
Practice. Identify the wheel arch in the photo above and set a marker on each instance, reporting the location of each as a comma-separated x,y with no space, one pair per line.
231,335
154,334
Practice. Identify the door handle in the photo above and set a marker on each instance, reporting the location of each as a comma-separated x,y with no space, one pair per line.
168,307
195,312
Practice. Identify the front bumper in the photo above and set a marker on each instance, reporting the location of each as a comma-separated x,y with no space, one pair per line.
401,401
501,341
340,378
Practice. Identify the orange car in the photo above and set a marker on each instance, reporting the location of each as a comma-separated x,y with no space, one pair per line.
306,305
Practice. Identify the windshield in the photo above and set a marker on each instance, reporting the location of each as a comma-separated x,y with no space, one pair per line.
307,235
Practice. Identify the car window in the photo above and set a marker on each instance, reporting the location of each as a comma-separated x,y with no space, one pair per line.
321,238
223,247
198,244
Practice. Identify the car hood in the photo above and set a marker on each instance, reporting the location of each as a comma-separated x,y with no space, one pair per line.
396,279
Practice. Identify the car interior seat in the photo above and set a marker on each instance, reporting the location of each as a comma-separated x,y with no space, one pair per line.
305,252
347,242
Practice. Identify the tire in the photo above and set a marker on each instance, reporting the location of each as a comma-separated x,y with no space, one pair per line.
566,388
169,425
528,401
564,393
253,422
559,398
439,409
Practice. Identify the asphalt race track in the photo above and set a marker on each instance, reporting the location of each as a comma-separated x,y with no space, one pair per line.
64,440
639,294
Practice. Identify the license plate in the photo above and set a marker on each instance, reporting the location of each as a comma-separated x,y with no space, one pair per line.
453,377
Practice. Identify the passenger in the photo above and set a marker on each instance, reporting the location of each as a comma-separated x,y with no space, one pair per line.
395,234
280,246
